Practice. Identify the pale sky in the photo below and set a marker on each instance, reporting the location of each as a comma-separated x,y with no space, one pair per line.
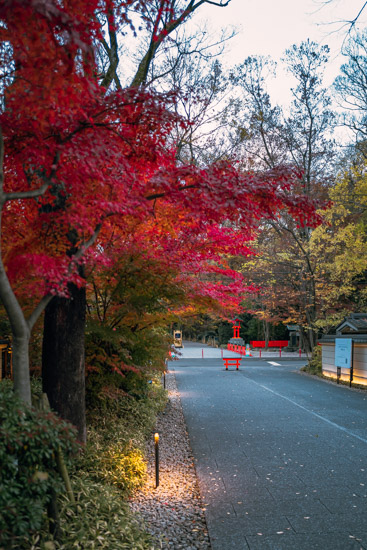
268,27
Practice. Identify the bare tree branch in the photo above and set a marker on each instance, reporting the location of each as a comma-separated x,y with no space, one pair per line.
112,52
168,27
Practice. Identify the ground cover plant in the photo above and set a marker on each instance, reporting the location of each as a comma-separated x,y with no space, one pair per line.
102,475
30,441
314,365
117,437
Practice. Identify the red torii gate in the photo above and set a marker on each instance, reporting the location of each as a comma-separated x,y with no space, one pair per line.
236,328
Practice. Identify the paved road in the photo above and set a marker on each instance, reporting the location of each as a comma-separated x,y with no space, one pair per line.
280,456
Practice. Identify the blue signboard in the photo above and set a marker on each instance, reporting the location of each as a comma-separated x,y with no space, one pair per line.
343,352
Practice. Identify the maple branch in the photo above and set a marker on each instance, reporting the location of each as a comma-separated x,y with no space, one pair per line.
160,195
19,324
96,298
31,193
84,247
31,320
26,194
10,302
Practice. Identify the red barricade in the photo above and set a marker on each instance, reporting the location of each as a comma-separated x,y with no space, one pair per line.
271,344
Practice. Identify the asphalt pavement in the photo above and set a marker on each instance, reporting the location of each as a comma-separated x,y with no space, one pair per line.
280,456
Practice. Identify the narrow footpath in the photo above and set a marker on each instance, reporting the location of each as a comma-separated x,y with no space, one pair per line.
280,457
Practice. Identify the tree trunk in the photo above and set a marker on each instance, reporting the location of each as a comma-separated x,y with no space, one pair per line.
20,349
308,340
63,359
266,327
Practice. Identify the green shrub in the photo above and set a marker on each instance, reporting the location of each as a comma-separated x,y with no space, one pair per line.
117,436
111,467
29,440
125,416
99,520
124,468
314,365
121,358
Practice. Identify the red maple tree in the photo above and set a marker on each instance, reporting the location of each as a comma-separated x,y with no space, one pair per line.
74,159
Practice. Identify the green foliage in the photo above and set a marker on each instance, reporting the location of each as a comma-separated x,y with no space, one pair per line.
127,321
315,363
122,360
5,329
118,430
135,383
111,467
339,248
149,347
252,329
225,332
29,440
100,520
124,468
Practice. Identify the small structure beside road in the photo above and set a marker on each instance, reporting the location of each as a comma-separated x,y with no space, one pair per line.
344,354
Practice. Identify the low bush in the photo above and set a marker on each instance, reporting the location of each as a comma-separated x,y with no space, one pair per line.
117,436
124,468
99,520
125,416
111,467
29,441
314,365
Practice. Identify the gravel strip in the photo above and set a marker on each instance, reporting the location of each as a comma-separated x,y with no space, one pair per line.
173,512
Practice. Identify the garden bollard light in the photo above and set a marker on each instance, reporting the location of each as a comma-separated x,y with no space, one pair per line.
156,446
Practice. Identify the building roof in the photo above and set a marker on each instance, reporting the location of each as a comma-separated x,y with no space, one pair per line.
356,323
330,338
354,326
